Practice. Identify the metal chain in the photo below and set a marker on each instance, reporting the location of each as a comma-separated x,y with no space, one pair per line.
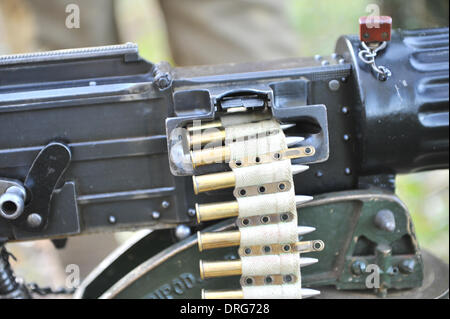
43,291
12,287
368,56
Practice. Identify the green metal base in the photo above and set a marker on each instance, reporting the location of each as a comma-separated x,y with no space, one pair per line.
435,285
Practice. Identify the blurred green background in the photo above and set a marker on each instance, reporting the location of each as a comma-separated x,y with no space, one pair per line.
426,194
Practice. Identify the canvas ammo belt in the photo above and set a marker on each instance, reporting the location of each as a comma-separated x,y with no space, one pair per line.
265,206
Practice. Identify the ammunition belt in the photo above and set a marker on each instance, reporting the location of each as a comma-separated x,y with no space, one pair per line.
265,207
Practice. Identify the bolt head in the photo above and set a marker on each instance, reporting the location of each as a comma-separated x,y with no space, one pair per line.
182,232
385,220
334,85
34,220
358,267
407,266
163,81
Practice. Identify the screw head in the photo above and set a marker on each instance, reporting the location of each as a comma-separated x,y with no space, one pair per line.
34,220
334,85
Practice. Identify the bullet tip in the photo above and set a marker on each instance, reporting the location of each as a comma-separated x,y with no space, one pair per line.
293,140
297,169
307,293
301,199
287,126
303,230
306,261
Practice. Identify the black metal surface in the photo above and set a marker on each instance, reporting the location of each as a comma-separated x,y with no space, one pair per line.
42,178
403,122
113,110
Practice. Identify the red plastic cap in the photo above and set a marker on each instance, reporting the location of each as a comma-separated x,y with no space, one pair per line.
375,28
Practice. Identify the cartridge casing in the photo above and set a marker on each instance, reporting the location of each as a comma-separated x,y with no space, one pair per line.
200,138
210,182
218,240
214,211
210,156
204,126
210,269
222,294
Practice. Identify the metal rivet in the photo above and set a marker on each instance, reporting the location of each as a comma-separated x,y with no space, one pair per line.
112,219
345,110
346,137
165,204
191,212
156,215
287,278
334,85
341,61
317,57
348,171
319,174
325,62
182,232
34,220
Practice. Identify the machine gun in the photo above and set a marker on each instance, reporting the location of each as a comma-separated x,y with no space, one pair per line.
98,140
